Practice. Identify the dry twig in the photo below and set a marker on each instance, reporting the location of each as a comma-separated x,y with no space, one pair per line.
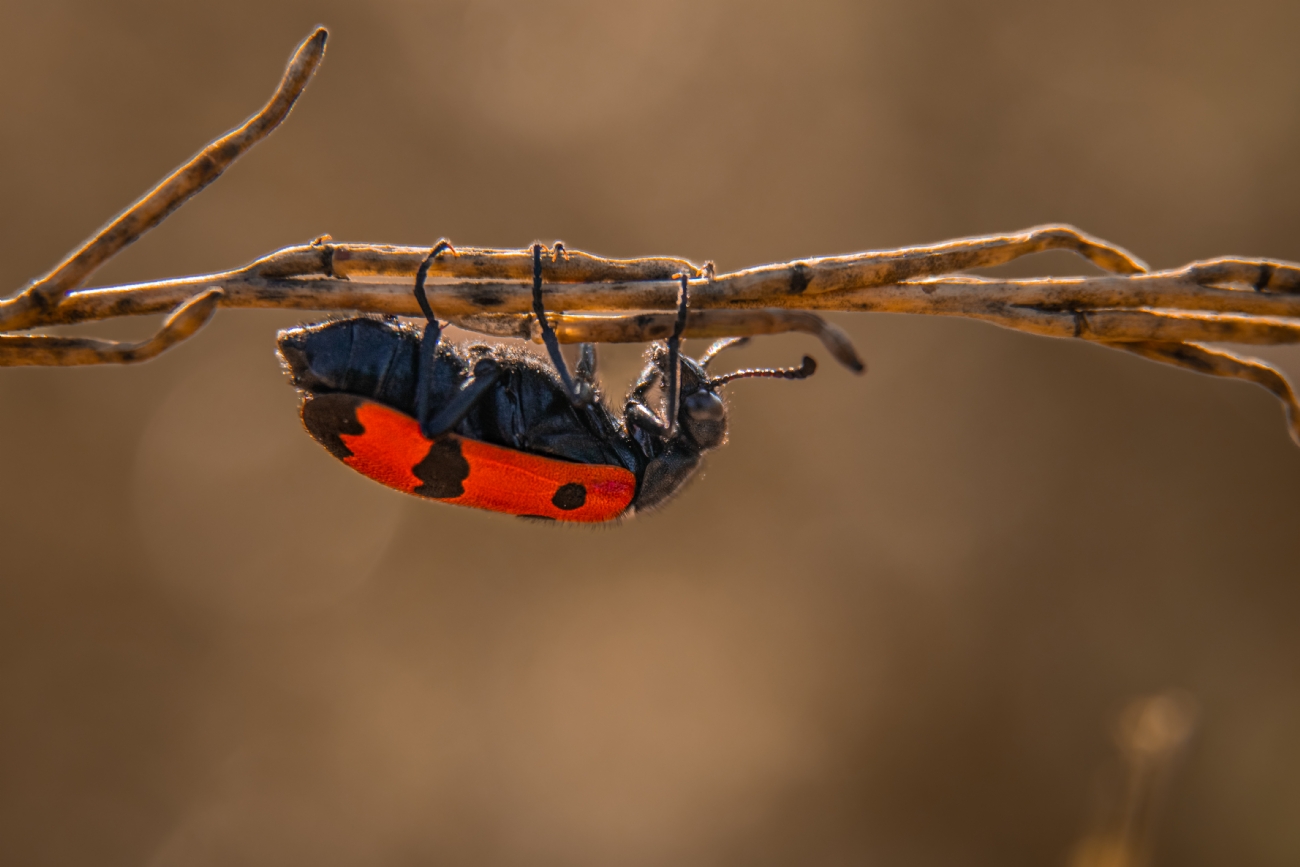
1165,316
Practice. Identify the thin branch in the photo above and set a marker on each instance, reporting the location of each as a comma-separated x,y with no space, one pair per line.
329,276
156,205
1218,362
644,327
46,350
1165,315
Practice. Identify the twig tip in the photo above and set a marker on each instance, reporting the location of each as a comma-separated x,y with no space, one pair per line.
312,49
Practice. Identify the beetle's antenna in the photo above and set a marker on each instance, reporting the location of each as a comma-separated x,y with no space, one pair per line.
804,371
675,352
423,273
725,343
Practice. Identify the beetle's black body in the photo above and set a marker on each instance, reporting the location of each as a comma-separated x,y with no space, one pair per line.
509,397
527,409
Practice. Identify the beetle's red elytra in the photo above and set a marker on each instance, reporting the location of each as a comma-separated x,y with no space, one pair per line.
391,447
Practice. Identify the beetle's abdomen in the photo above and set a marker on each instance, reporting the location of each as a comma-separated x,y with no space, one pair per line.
374,358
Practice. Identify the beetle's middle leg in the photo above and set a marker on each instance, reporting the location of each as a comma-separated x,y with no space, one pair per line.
580,392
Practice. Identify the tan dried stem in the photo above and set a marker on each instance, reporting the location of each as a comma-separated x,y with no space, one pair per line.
643,327
1165,316
47,351
23,310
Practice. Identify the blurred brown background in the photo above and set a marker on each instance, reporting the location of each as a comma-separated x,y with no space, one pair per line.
894,623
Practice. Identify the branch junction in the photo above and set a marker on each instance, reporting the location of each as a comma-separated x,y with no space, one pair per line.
1166,316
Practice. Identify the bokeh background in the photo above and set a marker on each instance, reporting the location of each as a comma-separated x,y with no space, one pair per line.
899,618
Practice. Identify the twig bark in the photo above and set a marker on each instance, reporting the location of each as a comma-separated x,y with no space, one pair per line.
46,351
24,310
1165,316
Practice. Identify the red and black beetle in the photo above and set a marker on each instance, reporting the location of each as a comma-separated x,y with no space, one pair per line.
491,426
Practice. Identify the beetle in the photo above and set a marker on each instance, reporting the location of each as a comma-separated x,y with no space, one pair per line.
493,427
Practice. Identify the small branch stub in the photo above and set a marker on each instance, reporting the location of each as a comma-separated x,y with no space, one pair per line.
1165,316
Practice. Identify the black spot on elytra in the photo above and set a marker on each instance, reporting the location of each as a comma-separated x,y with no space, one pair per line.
1265,277
327,415
569,497
443,470
799,278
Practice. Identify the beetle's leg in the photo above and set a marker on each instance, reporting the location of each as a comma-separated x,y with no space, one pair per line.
663,368
673,384
641,416
486,374
718,346
432,329
423,274
585,372
579,393
649,376
665,364
636,412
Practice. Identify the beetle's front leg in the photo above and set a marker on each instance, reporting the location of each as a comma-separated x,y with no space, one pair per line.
637,414
585,371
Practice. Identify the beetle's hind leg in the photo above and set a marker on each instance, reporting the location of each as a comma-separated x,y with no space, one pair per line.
422,275
433,328
453,412
436,421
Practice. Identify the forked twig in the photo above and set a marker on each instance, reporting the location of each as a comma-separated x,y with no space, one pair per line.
1165,316
1218,362
23,310
47,351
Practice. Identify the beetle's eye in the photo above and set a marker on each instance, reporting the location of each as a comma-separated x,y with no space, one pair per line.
704,405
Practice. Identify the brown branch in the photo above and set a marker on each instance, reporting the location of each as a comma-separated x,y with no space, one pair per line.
45,350
1164,315
329,276
644,327
1218,362
155,206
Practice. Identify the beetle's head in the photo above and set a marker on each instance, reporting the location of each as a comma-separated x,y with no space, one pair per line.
701,415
